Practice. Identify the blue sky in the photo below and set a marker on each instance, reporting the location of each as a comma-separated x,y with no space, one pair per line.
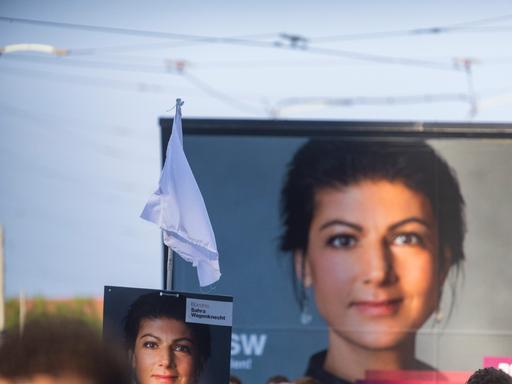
79,139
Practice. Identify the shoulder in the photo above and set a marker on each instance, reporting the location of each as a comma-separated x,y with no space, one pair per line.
316,370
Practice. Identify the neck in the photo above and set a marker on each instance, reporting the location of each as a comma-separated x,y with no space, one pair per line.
350,361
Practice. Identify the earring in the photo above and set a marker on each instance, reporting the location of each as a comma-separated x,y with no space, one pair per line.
438,315
305,314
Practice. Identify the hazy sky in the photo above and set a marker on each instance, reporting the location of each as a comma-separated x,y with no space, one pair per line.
79,137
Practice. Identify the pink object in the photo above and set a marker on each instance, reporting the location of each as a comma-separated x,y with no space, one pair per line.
415,377
503,363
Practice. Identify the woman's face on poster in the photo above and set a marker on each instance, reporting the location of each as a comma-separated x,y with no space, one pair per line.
373,262
165,352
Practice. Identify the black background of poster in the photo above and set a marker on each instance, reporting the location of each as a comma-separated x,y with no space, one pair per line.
117,301
239,166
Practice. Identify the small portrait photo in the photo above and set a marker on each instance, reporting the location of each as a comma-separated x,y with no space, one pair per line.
170,337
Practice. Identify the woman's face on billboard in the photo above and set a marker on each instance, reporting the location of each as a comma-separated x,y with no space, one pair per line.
372,260
165,352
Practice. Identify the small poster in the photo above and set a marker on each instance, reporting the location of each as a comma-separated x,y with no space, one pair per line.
168,336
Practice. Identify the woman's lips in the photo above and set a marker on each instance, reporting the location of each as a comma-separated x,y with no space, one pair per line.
165,378
377,307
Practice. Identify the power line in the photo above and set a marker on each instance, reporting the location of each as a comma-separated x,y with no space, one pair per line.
208,89
96,28
296,42
300,102
73,62
139,47
382,59
485,20
126,31
503,28
403,61
435,30
87,80
194,80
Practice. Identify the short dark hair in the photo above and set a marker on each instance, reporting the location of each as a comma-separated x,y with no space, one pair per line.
156,305
234,380
489,375
331,163
58,346
276,379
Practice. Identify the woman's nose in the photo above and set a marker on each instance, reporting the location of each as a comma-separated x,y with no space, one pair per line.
379,269
168,359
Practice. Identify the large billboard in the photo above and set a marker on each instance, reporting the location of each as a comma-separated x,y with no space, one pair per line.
352,247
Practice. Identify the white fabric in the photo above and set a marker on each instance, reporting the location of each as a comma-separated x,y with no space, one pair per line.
178,208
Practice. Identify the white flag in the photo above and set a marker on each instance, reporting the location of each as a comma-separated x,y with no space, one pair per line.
178,208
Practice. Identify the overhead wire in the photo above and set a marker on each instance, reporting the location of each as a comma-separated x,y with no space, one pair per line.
484,20
191,79
208,89
434,30
125,31
95,81
186,38
138,47
491,29
278,108
73,62
298,102
382,59
242,40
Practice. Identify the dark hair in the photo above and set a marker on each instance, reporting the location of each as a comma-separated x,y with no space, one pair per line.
234,380
333,163
489,375
58,346
161,304
276,379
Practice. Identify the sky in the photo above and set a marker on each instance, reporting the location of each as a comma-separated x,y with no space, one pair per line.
79,135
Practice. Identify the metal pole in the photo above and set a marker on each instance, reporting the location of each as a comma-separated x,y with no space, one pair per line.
23,310
2,293
170,266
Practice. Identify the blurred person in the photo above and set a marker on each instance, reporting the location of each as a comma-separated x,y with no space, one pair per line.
54,350
489,375
278,379
305,380
162,347
234,380
374,228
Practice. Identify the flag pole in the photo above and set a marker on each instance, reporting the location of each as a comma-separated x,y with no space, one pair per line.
169,283
23,309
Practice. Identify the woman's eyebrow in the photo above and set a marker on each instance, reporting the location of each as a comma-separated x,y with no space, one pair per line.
150,335
330,223
179,340
413,219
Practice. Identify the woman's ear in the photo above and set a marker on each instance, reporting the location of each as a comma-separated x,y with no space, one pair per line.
302,268
131,357
445,264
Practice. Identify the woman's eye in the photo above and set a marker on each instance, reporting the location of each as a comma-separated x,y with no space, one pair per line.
182,348
408,239
150,345
342,241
